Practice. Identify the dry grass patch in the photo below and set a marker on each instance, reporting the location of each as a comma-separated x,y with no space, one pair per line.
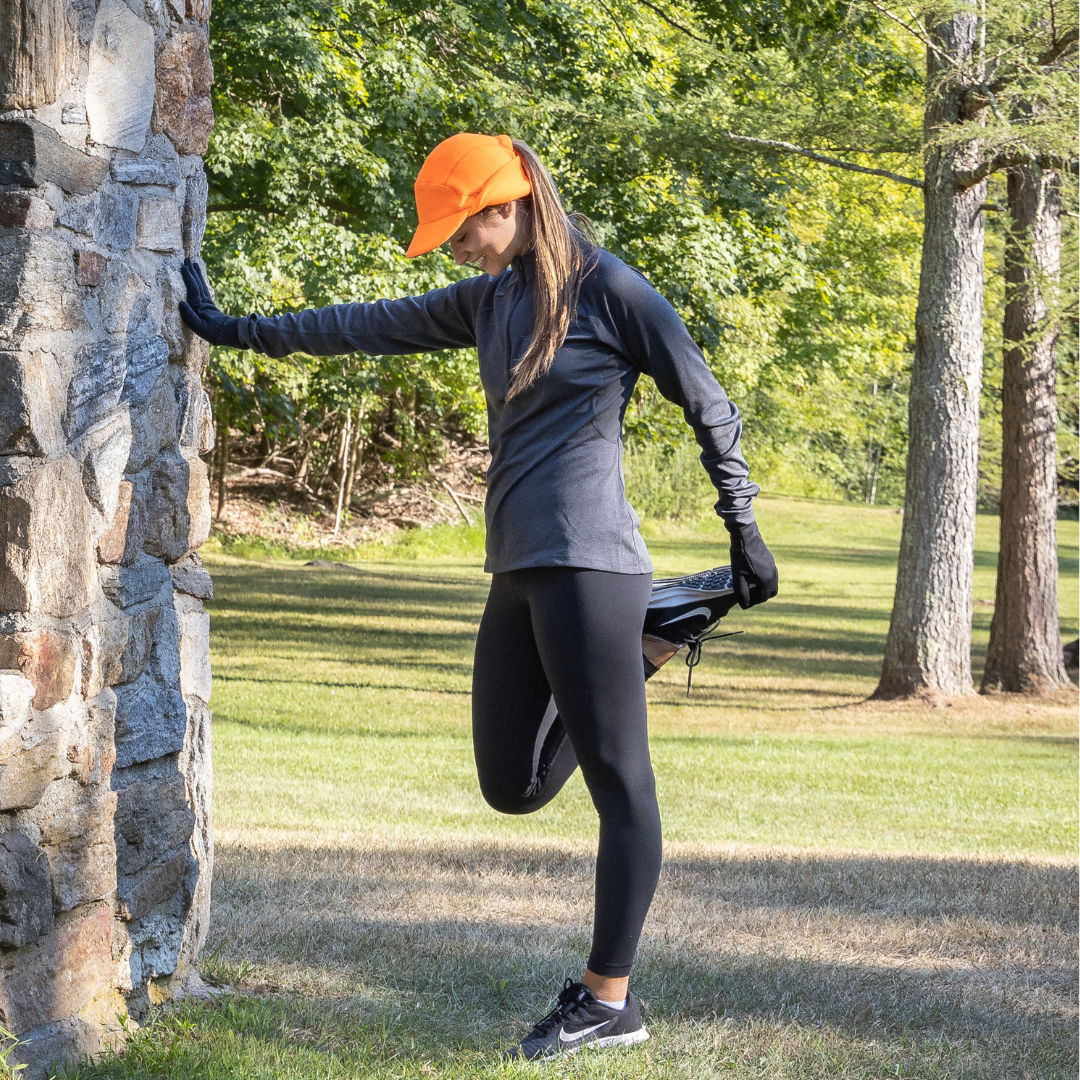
464,943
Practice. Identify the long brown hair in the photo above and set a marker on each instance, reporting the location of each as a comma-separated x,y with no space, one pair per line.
558,239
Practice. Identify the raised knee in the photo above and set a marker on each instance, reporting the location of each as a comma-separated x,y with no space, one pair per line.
501,797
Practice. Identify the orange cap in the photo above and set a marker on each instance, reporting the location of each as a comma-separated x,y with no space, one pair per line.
461,176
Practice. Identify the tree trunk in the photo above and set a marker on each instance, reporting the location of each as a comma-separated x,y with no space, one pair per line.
357,462
928,649
1025,637
345,458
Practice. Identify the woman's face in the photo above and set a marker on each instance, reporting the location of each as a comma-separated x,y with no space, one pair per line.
492,239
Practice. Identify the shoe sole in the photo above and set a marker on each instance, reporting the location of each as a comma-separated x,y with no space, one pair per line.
631,1038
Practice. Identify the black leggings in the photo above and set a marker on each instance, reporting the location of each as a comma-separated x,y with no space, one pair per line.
558,681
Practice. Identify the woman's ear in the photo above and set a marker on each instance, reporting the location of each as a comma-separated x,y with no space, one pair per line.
503,210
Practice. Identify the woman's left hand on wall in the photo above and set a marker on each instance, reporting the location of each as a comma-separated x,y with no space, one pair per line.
202,314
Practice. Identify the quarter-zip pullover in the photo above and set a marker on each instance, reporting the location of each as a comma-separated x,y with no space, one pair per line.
555,489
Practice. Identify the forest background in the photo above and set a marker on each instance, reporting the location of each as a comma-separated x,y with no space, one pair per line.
798,279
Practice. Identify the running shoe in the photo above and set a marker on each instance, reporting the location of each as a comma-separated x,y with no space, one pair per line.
682,614
580,1020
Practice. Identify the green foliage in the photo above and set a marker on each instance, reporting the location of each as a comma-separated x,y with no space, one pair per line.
796,284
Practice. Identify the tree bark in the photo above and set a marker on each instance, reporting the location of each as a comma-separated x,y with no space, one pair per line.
222,464
345,459
1025,637
928,649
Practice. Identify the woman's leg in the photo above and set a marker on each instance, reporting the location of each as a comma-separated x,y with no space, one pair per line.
523,756
587,627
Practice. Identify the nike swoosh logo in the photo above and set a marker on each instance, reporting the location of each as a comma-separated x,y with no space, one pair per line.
689,615
578,1035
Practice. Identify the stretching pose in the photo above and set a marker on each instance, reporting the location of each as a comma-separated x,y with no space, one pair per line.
563,329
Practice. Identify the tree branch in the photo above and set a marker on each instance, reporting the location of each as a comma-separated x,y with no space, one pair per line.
813,155
943,56
1059,48
670,21
1007,159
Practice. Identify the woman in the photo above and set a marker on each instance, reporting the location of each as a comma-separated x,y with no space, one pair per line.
563,329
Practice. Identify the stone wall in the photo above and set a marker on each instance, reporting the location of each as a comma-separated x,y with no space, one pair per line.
105,770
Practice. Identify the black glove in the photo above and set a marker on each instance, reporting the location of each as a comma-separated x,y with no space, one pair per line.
753,571
201,313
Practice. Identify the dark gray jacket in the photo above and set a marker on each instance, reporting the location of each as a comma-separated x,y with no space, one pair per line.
556,495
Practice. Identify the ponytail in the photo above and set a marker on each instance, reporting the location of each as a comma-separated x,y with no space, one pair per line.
559,244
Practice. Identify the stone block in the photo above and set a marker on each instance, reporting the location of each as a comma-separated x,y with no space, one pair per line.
47,562
139,643
79,214
32,154
16,693
75,824
33,391
68,811
26,910
184,77
28,764
190,577
165,652
91,751
37,45
196,426
198,10
145,360
146,170
103,643
195,678
89,266
120,85
158,938
30,760
83,869
136,528
194,216
19,210
113,541
53,978
73,113
46,658
14,468
125,301
67,1042
37,286
153,819
116,218
171,286
104,453
138,895
158,226
198,355
135,584
196,765
153,426
178,513
150,723
93,392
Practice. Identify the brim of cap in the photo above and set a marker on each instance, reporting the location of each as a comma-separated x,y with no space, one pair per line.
432,234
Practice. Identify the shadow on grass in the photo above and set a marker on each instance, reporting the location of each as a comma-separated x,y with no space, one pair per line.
331,618
956,947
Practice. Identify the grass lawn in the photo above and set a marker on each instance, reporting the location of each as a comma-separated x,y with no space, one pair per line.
850,889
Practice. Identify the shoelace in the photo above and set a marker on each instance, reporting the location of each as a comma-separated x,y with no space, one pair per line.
693,656
563,1011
